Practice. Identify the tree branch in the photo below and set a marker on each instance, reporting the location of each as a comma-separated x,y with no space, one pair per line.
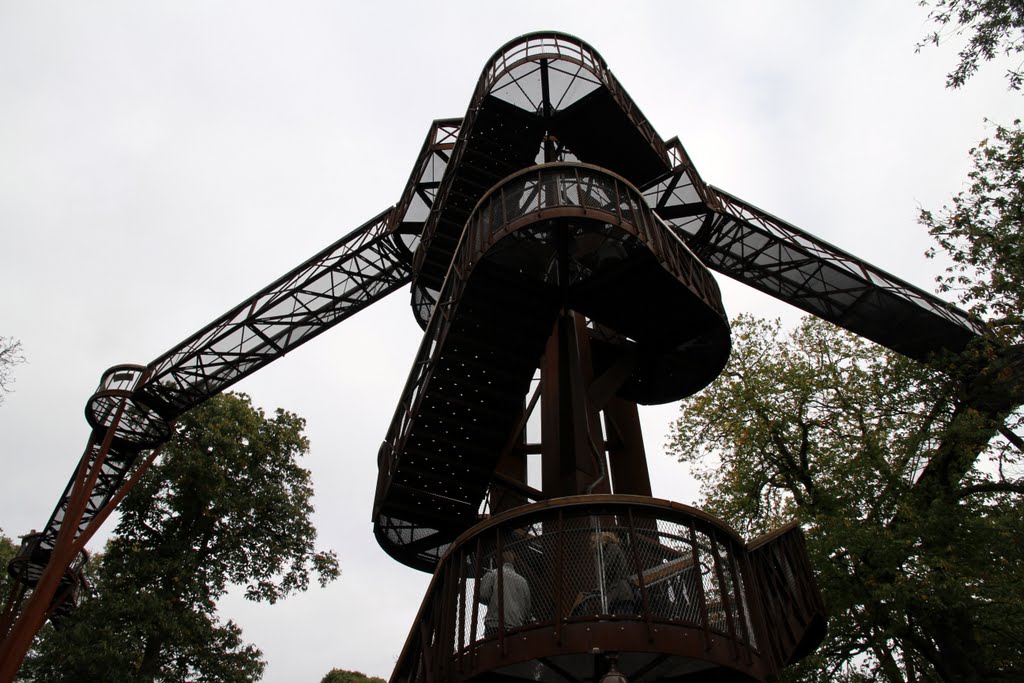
992,487
1012,437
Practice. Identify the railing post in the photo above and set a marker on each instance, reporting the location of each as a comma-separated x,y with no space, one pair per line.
500,588
638,568
461,607
446,621
723,591
742,608
473,638
701,597
558,579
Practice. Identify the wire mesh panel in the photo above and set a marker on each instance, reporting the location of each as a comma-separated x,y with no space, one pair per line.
793,605
672,578
545,189
526,584
580,565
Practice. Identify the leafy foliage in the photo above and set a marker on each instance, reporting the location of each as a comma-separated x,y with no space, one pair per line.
910,500
913,520
343,676
983,233
993,27
908,479
227,505
8,549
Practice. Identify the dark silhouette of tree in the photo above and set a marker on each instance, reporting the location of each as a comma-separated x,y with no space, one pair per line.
911,509
982,231
344,676
908,478
8,549
228,504
10,355
991,27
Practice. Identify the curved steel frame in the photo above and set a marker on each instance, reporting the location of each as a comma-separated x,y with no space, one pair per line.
28,565
433,255
696,603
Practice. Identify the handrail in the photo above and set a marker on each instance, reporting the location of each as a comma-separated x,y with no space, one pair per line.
545,592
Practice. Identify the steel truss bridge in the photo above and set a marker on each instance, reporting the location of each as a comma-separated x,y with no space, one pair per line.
558,251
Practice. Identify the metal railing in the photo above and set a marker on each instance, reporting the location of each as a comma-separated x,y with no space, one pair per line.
27,567
789,594
518,587
542,191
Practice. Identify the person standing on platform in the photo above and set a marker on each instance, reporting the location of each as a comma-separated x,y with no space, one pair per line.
515,594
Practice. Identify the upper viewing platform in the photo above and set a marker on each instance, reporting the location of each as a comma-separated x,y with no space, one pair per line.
541,97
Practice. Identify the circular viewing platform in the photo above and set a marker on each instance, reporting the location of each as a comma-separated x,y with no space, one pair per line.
558,590
31,560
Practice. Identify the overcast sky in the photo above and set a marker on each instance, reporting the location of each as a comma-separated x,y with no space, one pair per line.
161,161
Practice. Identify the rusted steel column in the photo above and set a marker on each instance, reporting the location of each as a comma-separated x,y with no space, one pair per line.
513,464
551,435
33,615
571,439
626,455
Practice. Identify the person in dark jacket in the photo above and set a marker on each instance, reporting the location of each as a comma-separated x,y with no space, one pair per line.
611,561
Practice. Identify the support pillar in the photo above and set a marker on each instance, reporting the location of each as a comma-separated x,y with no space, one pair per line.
626,455
572,445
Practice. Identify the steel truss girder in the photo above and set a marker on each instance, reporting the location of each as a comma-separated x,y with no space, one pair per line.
357,270
354,272
762,251
361,268
421,189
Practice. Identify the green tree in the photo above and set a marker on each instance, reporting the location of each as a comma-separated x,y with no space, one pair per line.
228,504
908,478
920,563
982,231
992,27
344,676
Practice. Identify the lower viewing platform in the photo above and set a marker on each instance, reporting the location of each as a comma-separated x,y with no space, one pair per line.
565,589
27,568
